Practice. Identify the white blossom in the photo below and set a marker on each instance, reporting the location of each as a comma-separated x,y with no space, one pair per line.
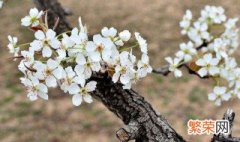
208,65
122,71
198,33
12,46
35,88
83,93
99,48
173,66
213,14
142,43
218,95
50,72
44,42
87,65
109,32
125,35
33,18
69,81
186,22
143,65
186,52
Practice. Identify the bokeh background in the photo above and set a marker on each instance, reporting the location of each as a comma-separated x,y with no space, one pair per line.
57,120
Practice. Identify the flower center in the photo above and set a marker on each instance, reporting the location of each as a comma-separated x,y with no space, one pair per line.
48,71
88,64
186,51
145,65
45,42
100,48
83,91
123,70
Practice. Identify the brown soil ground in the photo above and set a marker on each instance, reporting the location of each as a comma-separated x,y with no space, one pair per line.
58,121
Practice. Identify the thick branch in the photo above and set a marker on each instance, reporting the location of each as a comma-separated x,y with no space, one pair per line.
142,122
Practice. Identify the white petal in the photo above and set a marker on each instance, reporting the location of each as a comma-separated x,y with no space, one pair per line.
55,43
46,52
177,73
106,54
91,86
39,35
87,98
77,99
50,34
32,96
43,96
214,62
96,66
33,12
73,88
58,73
90,47
124,79
35,45
43,88
79,69
187,58
51,81
95,56
201,62
127,86
226,96
52,64
87,72
214,70
80,80
218,102
207,57
125,35
169,60
219,90
202,72
34,80
212,96
26,21
81,60
115,77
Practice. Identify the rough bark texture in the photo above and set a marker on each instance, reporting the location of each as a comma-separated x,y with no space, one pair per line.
143,123
54,11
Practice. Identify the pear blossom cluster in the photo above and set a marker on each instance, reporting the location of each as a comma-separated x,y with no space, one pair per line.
213,38
70,59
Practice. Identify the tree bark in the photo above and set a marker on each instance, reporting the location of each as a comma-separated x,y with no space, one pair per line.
143,123
55,13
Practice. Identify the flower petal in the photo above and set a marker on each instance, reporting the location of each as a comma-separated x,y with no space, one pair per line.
87,98
77,99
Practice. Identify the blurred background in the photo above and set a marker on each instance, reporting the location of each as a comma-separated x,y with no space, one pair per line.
57,120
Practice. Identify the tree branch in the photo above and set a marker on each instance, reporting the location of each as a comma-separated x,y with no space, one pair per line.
142,122
55,11
228,115
164,70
